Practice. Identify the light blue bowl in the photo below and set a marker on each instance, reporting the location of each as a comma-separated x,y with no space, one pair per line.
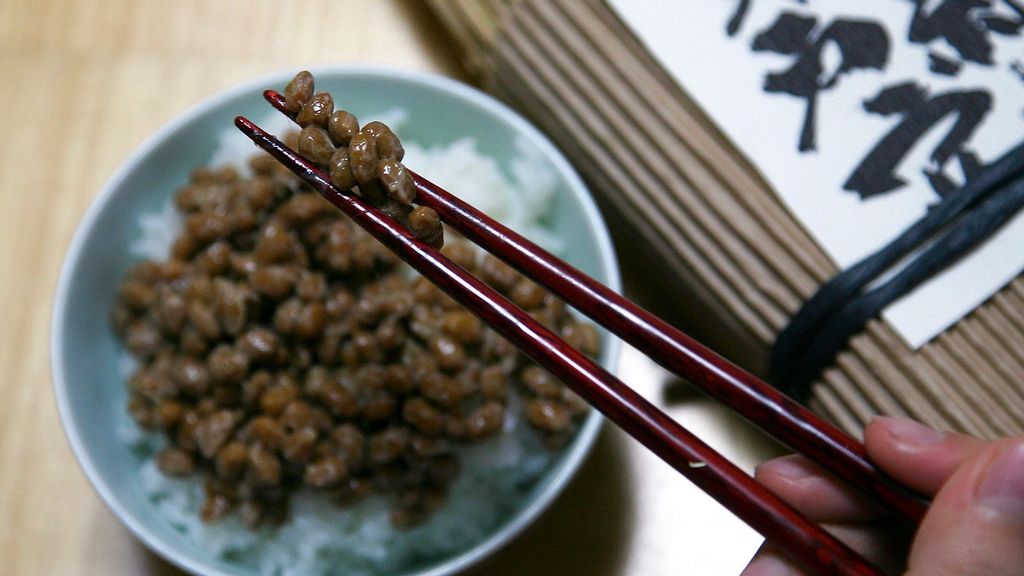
91,394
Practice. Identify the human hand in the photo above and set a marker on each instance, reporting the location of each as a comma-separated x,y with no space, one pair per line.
974,527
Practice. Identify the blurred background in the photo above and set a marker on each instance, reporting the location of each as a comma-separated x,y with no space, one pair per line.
83,83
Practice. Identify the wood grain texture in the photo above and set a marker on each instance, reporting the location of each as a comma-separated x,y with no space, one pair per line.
83,83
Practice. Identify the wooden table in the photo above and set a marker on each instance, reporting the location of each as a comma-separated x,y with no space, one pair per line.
82,83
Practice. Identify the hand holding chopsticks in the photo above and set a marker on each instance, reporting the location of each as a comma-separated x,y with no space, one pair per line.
783,418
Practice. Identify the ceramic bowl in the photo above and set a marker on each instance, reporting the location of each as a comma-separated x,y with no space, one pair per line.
90,387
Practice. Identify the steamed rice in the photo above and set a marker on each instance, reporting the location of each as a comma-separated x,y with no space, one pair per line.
319,538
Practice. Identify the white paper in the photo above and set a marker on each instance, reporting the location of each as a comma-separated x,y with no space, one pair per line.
726,77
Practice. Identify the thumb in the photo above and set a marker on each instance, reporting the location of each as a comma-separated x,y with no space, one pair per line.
975,526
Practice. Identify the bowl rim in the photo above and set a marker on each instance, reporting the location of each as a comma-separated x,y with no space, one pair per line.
587,434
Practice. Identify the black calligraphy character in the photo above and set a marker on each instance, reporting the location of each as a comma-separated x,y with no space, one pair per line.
1018,68
965,26
733,26
942,65
736,20
861,45
876,174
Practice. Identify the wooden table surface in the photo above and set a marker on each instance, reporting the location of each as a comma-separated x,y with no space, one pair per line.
82,83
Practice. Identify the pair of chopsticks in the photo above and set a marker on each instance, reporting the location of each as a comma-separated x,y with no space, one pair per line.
764,406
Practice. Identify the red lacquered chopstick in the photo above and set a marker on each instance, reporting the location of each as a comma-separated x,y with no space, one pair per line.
805,541
757,401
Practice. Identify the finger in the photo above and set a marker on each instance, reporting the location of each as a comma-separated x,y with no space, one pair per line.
916,455
883,544
815,493
975,525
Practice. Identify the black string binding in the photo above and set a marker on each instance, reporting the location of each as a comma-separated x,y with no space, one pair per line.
842,306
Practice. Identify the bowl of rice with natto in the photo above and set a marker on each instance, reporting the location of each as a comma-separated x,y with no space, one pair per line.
411,499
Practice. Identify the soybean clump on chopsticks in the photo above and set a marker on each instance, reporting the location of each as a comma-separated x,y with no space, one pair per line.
367,160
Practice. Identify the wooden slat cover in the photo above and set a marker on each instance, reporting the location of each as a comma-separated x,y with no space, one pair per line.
697,210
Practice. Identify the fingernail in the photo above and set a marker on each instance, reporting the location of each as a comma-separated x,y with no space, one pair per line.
911,433
1002,488
768,565
789,467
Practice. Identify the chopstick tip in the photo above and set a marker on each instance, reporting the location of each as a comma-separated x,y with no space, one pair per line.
277,101
248,127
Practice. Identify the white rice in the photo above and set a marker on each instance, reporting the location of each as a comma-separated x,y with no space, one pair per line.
324,539
519,200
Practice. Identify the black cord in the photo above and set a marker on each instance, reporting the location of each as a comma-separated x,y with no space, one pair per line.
841,307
